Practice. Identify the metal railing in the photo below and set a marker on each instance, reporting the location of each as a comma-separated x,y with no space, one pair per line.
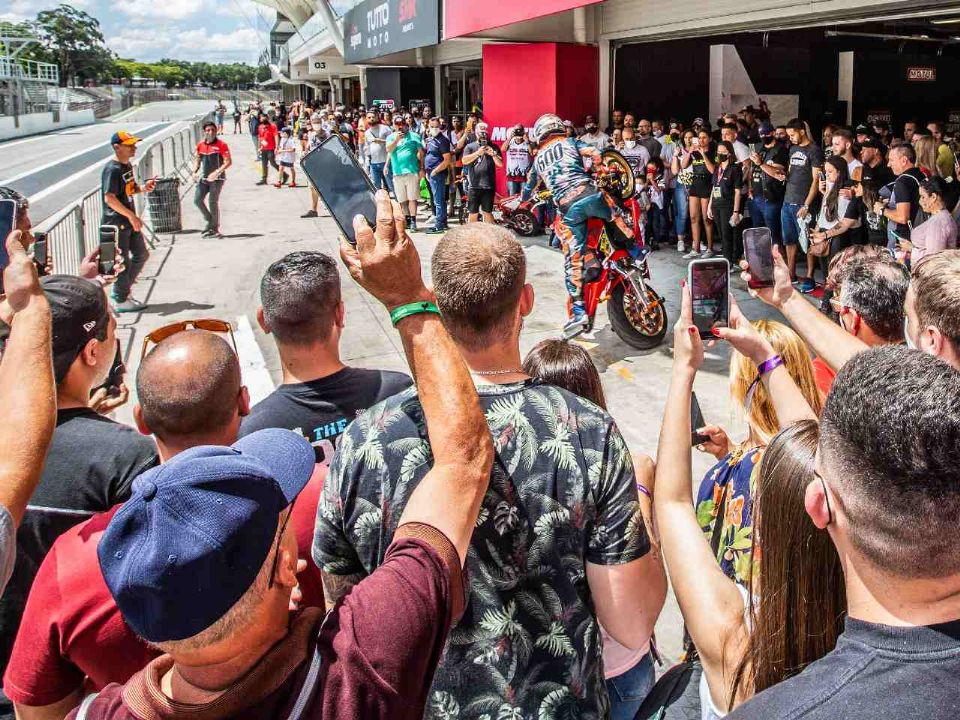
74,232
29,70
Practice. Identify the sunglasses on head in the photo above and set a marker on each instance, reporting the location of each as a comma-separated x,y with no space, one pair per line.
209,324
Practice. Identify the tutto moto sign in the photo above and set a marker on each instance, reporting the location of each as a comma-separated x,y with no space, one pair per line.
461,17
921,74
375,28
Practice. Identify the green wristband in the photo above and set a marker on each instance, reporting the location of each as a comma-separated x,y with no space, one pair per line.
416,308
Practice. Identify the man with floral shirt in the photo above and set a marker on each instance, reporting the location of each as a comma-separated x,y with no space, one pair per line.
559,543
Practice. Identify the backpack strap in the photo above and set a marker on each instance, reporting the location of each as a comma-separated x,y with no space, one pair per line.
310,682
85,706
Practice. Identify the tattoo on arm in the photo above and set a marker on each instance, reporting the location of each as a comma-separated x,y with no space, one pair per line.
336,586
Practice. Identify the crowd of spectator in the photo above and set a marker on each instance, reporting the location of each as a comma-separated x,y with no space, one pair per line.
476,539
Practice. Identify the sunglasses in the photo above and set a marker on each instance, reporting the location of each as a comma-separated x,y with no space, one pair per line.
210,325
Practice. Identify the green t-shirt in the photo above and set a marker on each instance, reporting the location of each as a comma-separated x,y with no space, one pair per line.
403,159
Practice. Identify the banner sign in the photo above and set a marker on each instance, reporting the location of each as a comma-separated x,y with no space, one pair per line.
461,17
374,28
875,116
921,74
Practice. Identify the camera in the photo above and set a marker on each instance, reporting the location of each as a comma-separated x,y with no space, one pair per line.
518,131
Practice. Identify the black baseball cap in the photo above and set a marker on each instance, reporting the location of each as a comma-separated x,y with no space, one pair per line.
766,130
864,129
79,312
872,141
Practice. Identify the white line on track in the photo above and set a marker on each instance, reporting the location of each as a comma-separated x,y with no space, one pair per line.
42,136
93,166
253,368
59,161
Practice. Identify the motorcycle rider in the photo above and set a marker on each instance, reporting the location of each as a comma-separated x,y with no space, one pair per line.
559,161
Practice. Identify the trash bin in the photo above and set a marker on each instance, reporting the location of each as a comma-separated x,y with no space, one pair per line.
164,204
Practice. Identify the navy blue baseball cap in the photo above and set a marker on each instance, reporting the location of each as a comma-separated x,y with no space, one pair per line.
766,130
196,531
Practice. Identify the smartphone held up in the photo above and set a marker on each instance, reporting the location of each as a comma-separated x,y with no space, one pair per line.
709,283
758,250
109,239
341,183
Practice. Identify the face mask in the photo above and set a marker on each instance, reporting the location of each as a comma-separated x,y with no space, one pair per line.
434,131
722,158
658,133
906,333
316,125
630,143
591,129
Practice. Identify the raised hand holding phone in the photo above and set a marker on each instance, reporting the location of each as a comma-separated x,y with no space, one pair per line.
782,288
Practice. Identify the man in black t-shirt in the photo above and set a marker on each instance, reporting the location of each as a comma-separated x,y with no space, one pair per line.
886,488
802,187
92,460
768,164
481,159
118,185
302,309
874,175
900,208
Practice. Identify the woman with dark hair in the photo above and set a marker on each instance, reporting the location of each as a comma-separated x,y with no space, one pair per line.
629,673
839,221
700,161
939,231
727,199
790,611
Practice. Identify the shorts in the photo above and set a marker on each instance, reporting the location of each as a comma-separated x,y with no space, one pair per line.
286,163
480,199
407,187
701,187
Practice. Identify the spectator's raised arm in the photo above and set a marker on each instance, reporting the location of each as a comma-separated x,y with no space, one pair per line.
27,392
385,262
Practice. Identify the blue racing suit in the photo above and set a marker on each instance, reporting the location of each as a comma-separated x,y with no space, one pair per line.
559,162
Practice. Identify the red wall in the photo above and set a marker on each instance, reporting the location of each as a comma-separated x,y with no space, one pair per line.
521,82
461,17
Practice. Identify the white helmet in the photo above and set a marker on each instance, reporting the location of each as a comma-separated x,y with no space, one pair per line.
545,125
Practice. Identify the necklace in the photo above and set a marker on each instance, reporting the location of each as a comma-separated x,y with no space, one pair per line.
498,372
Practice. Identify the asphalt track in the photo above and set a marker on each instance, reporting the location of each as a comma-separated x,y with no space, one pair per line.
55,169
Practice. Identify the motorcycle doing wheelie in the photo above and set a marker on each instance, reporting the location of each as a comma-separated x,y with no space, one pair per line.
615,268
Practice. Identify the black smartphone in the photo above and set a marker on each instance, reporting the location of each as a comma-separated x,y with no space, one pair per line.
115,378
709,283
696,422
8,222
758,249
109,238
40,252
341,183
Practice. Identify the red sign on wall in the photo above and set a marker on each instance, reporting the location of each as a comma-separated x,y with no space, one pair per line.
461,17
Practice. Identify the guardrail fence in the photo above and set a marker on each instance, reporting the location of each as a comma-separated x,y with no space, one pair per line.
75,231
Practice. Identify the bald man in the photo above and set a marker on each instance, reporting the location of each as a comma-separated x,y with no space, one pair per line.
190,394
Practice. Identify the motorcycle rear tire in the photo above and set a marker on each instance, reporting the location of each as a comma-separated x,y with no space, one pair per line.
524,223
625,329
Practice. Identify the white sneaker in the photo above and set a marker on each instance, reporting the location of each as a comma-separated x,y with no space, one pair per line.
138,303
708,253
127,306
681,247
692,255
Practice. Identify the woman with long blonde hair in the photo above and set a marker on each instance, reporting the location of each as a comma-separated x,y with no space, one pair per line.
725,494
926,149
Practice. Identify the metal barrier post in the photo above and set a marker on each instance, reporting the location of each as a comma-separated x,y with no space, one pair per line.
78,227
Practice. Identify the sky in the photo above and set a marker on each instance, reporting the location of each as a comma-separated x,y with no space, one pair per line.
148,30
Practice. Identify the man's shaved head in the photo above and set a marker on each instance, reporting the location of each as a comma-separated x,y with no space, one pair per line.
188,386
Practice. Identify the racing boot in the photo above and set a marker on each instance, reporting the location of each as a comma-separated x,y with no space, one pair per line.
577,323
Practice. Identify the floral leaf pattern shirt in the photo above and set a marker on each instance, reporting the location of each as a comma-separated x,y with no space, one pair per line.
735,475
562,493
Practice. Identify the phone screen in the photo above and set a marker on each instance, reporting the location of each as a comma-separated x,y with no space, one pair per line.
709,282
109,236
341,183
758,248
696,422
40,250
8,221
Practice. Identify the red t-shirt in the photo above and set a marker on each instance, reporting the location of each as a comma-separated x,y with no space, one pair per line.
823,375
267,132
72,628
379,647
212,156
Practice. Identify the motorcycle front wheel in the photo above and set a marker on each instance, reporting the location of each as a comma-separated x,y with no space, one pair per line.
639,327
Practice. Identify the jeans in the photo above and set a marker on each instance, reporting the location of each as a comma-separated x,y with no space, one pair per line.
628,691
267,157
573,238
514,187
657,225
438,184
376,175
133,250
388,179
766,213
722,211
788,221
256,144
212,191
681,209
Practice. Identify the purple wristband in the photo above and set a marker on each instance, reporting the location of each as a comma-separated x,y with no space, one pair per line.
769,366
642,488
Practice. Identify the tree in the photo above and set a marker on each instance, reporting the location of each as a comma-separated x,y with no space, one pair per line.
76,42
